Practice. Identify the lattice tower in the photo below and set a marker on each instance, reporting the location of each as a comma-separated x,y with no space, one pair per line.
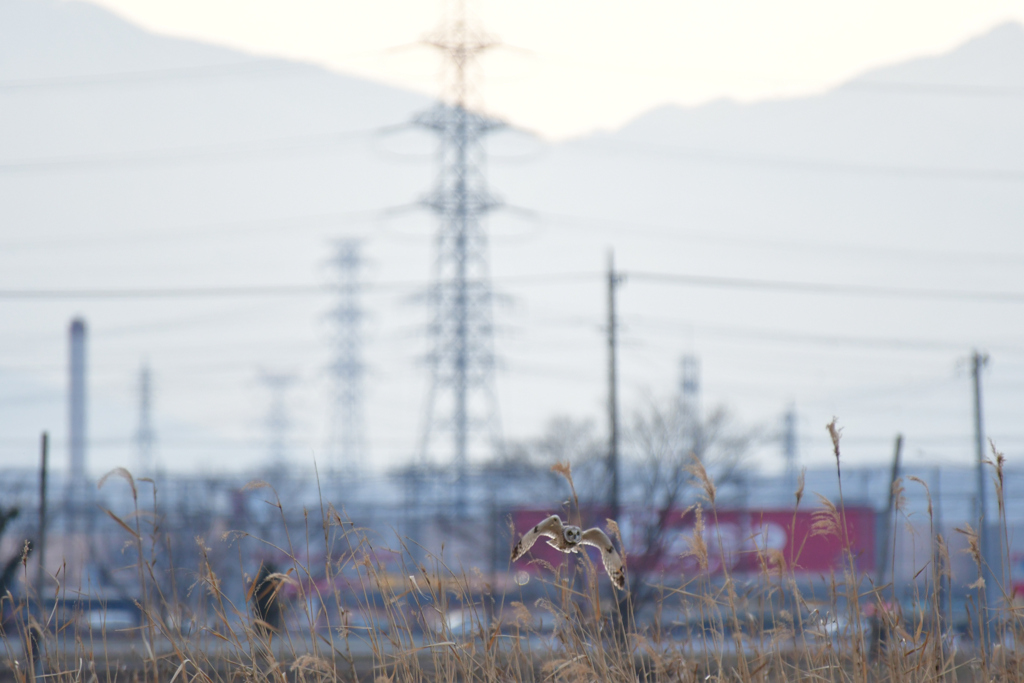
462,401
277,421
348,444
145,435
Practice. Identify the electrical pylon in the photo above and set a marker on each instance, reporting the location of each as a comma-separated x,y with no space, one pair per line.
690,402
789,447
145,436
462,400
277,422
346,426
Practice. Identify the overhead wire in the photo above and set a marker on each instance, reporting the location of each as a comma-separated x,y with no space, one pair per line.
242,149
732,240
150,75
801,164
271,65
208,230
810,338
266,290
792,89
826,288
542,218
946,89
761,285
727,331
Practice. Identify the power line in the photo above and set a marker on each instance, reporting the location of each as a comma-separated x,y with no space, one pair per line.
206,230
679,233
829,340
264,290
583,223
188,154
257,441
896,87
703,155
148,76
720,282
164,292
680,279
949,89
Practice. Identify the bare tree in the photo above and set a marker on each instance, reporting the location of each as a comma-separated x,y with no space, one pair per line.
661,444
578,442
565,439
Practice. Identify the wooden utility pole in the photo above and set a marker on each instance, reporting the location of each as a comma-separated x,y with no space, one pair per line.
613,400
44,449
940,583
978,362
881,564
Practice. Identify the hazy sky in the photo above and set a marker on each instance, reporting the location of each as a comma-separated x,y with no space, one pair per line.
862,188
573,66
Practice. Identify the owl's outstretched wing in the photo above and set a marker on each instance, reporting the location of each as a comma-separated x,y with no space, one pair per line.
551,527
609,555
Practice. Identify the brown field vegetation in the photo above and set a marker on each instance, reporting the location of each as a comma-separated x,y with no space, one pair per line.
432,622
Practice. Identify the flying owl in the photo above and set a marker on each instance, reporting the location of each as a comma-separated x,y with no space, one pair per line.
568,539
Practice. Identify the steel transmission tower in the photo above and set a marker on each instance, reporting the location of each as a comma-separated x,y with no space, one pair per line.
689,383
145,435
462,400
789,447
277,422
347,438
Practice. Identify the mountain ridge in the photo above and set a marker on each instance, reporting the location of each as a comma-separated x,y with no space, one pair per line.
978,59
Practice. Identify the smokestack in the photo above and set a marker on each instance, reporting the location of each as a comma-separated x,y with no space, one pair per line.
76,414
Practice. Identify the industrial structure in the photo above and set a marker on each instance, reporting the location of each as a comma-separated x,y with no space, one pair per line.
689,382
78,490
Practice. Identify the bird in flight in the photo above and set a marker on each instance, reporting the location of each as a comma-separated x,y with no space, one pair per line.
568,539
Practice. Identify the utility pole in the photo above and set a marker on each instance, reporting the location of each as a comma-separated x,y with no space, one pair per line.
978,362
44,453
79,492
940,582
882,561
462,399
614,280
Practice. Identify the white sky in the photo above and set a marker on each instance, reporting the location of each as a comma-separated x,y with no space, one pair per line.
574,66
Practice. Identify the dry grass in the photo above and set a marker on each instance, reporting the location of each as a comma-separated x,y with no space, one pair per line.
432,622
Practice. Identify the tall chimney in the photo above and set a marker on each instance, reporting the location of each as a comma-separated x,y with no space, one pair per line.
76,416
